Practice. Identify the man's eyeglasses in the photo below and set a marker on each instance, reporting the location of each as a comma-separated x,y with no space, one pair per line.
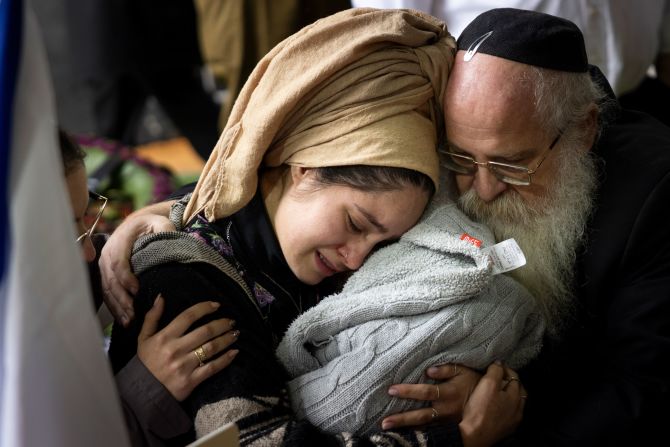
505,172
96,205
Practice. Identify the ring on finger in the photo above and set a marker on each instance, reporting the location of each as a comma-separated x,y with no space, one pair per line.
434,414
200,355
508,380
438,392
456,371
512,379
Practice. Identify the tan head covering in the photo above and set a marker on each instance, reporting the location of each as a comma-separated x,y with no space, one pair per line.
363,86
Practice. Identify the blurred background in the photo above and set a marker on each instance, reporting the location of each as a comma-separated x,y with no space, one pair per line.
146,86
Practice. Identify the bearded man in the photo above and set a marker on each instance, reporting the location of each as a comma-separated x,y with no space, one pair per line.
542,153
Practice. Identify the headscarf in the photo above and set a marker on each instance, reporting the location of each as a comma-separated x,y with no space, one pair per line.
363,86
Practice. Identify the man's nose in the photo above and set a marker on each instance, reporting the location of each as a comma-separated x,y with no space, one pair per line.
487,185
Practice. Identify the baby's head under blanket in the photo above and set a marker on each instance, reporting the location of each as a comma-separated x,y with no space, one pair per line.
430,298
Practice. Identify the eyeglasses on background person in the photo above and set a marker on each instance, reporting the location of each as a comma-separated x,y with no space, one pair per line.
505,172
96,206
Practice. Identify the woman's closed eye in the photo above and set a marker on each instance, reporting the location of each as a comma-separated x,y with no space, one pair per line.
352,225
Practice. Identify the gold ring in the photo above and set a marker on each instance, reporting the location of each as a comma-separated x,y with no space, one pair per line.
438,392
434,414
200,355
456,371
508,380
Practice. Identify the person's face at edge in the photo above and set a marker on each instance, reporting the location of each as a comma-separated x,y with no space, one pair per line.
324,230
489,115
78,192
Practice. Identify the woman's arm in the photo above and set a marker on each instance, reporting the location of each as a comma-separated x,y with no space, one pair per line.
118,281
165,371
152,414
170,354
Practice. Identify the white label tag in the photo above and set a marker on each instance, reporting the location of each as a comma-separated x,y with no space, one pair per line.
506,256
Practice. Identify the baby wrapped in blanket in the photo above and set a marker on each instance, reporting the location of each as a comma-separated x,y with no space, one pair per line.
428,299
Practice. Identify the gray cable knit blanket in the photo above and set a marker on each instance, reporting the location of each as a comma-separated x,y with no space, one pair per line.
426,300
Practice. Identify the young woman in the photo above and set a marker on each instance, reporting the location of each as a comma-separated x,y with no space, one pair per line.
330,151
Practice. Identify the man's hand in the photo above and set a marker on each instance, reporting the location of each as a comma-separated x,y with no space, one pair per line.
495,408
170,355
118,281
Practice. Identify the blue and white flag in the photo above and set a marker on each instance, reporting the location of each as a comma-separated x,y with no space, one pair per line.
56,387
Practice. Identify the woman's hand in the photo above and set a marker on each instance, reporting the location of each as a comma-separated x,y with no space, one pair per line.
495,408
181,362
118,281
447,398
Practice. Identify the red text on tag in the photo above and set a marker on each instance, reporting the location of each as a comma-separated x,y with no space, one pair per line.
467,238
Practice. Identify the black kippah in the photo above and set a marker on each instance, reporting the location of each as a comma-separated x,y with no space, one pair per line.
529,37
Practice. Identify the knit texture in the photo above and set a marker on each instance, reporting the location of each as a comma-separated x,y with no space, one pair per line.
426,300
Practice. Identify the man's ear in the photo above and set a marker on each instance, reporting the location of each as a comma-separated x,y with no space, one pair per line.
590,127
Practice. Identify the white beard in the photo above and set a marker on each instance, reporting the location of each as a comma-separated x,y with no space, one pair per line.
549,232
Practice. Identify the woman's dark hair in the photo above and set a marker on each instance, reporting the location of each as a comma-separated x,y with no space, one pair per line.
373,178
72,154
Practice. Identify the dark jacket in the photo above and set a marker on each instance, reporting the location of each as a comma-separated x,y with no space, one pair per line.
608,381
